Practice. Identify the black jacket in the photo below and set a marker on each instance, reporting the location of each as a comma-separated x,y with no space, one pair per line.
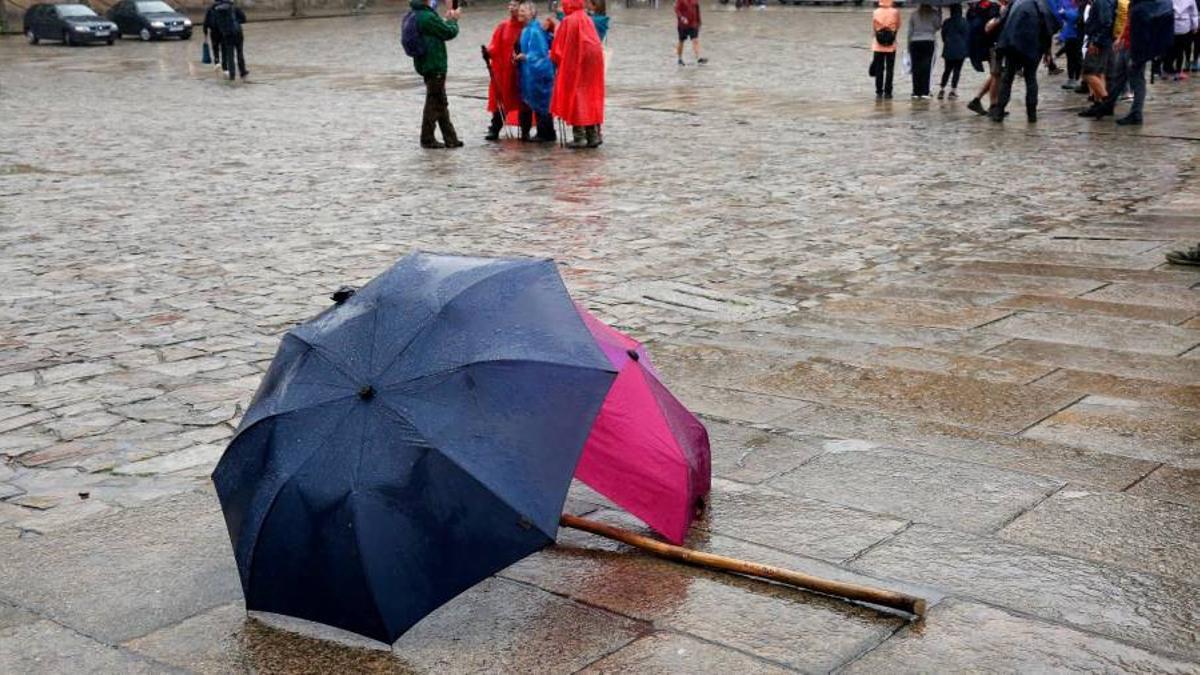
1028,29
1098,29
955,35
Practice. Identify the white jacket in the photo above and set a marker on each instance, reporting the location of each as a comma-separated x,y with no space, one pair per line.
1187,20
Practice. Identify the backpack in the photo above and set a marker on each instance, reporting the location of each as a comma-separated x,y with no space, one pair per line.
886,37
410,36
225,19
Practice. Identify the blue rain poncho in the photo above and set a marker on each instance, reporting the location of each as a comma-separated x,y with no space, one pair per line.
537,71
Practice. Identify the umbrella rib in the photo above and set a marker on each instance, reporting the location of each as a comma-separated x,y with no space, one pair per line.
319,351
464,366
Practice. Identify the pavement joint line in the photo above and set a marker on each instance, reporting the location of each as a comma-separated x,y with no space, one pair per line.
907,625
1143,477
1039,378
647,625
1052,414
1029,508
854,557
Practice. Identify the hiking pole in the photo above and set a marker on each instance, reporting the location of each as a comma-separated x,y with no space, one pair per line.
487,61
875,596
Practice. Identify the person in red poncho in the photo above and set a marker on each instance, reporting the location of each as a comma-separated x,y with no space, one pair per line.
504,93
578,97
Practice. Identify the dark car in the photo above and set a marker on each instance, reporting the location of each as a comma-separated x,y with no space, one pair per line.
150,20
73,24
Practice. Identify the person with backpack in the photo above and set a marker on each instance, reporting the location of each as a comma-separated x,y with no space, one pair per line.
423,35
885,26
228,20
504,92
954,50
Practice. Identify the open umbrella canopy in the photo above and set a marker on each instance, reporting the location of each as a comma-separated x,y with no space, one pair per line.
410,441
647,452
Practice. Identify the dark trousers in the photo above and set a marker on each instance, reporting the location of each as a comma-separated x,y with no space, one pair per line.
1013,64
884,65
232,45
524,120
921,53
1074,49
1127,73
217,46
437,111
950,72
1177,60
545,127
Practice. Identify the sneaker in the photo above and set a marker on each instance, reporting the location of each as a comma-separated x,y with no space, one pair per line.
941,94
976,107
702,60
1130,120
953,95
432,145
681,62
454,143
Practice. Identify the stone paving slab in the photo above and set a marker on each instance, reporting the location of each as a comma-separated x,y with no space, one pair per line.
1167,275
1130,428
1127,364
1168,483
1149,294
749,455
665,652
1096,331
960,636
1130,388
963,278
807,526
1063,462
991,406
960,495
1120,529
97,578
912,312
45,647
1093,305
1134,606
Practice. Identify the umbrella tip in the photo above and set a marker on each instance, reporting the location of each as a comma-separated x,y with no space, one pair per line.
367,392
343,294
633,354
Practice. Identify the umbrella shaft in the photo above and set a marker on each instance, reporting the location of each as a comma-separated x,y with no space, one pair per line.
876,596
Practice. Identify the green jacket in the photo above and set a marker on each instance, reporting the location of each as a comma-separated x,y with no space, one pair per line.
436,32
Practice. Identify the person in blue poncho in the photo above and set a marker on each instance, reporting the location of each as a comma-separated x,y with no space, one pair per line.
536,70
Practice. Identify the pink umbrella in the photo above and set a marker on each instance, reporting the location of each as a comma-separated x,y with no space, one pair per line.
646,452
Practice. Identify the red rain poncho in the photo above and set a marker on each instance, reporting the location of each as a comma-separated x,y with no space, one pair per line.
578,97
504,72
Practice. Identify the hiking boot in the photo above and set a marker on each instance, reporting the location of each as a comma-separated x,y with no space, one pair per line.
941,94
995,114
702,60
432,145
592,134
1096,111
578,138
1130,120
976,107
1031,115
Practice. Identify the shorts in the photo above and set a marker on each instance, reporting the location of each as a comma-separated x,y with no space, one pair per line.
995,63
686,32
1097,63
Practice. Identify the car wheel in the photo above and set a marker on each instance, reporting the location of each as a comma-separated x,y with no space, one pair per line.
31,36
145,34
67,39
110,41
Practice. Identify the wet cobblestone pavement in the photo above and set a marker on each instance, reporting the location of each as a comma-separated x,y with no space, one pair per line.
933,353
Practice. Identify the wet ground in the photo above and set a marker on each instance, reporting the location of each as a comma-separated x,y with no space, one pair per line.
933,353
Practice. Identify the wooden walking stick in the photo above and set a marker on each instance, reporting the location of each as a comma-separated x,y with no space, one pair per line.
875,596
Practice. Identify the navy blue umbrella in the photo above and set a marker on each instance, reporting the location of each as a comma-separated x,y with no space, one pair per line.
410,441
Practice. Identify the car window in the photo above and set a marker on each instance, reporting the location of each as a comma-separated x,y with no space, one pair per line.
153,7
74,10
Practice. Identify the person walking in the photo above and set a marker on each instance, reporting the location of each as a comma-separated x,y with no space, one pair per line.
687,25
984,19
432,65
536,72
923,27
1072,41
1028,30
504,92
1098,34
955,36
228,20
578,97
211,33
885,27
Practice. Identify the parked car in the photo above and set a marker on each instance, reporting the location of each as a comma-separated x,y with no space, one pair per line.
72,24
150,20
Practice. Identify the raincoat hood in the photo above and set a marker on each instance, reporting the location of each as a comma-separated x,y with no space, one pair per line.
886,3
571,6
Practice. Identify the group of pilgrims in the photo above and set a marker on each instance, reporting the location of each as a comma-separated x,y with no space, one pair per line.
540,71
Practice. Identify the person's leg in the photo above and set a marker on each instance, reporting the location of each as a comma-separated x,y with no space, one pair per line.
975,105
240,47
525,120
1074,60
227,57
545,128
877,68
1137,82
1004,93
696,47
679,52
889,66
494,127
1031,90
945,77
442,103
955,73
1118,79
429,115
